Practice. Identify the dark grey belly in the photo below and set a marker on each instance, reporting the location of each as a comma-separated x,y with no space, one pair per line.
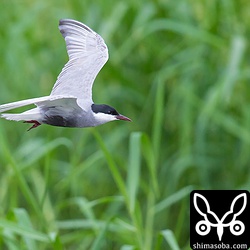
57,120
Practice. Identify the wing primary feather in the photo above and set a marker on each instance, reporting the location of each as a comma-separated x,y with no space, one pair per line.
74,22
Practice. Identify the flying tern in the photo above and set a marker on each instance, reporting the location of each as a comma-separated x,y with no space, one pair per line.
70,102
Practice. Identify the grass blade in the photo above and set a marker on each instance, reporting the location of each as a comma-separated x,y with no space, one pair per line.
24,220
112,166
169,237
133,177
170,200
24,231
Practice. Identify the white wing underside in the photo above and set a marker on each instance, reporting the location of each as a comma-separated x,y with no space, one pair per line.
87,54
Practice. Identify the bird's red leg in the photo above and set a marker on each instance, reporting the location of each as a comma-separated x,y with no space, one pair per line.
36,124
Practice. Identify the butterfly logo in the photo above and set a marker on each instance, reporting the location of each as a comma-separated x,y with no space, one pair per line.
210,219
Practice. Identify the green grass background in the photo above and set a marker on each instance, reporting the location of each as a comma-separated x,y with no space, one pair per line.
179,69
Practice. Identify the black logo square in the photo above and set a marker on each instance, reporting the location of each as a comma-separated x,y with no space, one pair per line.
220,219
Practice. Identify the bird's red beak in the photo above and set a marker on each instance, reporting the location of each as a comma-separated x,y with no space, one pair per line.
124,118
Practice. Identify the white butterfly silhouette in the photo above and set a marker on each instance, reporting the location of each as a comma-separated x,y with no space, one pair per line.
203,227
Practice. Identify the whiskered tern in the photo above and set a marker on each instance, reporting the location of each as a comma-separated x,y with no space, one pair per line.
70,103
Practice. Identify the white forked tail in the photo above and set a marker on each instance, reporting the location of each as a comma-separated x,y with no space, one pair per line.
32,114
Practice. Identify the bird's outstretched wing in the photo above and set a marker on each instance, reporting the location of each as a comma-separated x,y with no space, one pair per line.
87,54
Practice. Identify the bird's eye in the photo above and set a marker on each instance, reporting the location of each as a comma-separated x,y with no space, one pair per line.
112,112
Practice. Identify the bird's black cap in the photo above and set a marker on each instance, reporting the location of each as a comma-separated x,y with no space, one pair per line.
103,108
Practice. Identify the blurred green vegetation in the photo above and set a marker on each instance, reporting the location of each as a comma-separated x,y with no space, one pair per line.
179,69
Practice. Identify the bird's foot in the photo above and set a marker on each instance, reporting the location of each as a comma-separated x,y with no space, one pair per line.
36,124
